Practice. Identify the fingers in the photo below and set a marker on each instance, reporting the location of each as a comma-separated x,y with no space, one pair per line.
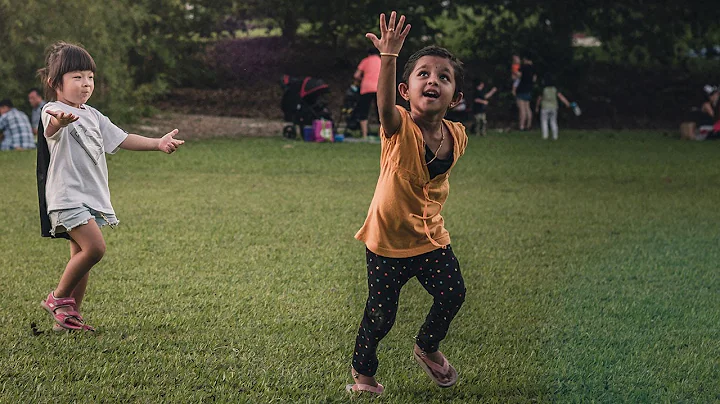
391,22
63,118
405,32
400,23
172,143
394,28
372,37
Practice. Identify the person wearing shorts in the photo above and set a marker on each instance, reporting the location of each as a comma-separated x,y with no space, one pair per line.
63,221
368,72
524,93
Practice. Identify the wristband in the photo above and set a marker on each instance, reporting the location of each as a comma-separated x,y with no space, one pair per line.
389,54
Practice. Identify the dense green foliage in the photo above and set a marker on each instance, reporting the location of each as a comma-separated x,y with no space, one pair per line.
143,48
590,262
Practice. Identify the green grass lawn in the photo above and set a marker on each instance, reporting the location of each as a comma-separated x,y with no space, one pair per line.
591,265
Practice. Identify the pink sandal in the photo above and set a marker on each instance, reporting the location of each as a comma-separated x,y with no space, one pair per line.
70,320
360,387
443,376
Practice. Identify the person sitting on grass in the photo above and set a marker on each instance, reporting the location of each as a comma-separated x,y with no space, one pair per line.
708,107
15,126
73,180
715,131
404,233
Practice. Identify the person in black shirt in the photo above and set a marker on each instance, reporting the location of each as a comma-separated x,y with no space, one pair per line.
524,93
480,101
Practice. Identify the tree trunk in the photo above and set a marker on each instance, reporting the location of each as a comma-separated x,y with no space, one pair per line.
289,26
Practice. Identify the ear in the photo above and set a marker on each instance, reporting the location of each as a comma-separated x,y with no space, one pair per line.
403,89
456,100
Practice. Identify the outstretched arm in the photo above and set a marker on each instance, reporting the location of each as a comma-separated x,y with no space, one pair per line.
563,99
392,37
166,144
491,93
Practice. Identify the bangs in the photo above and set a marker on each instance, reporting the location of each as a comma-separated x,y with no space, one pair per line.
75,58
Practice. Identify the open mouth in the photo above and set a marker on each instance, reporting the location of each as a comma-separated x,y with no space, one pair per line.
431,94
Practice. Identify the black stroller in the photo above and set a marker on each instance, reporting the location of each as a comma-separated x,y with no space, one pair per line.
303,100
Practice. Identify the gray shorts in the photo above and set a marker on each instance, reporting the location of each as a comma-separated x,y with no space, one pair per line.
62,221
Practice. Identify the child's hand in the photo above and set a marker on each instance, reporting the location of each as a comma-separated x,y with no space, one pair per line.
62,119
392,36
168,144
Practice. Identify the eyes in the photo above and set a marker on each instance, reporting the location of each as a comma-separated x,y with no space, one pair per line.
425,73
79,77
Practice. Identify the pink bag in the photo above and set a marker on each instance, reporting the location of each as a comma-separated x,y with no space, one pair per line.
323,130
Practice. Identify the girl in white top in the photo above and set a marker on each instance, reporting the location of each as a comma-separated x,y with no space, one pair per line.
76,190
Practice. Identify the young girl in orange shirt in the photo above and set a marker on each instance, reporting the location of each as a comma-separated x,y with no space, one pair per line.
404,231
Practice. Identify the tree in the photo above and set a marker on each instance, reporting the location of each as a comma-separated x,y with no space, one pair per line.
100,30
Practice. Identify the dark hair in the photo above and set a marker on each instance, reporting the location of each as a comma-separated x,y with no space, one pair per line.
35,90
6,103
373,51
432,50
61,58
549,80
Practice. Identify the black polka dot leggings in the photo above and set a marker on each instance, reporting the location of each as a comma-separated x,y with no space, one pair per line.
437,271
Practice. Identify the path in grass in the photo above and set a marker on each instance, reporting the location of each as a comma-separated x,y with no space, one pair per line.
590,264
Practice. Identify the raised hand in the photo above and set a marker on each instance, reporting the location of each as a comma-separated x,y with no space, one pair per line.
168,144
392,35
63,119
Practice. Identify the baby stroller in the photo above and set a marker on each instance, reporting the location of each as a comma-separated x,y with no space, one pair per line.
303,100
348,114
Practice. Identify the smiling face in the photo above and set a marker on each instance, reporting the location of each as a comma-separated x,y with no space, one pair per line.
431,86
76,88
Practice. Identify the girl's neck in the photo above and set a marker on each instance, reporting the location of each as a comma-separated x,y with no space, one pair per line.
429,125
66,102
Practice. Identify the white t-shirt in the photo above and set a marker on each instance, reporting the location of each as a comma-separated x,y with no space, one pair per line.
77,174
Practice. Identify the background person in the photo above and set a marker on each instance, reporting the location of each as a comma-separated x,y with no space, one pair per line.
36,102
549,102
515,73
367,74
15,126
480,102
524,93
